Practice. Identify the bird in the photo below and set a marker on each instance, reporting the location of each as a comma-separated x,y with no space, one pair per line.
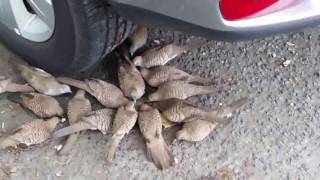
149,120
179,90
198,127
42,105
96,120
106,93
160,56
125,119
78,107
42,81
6,85
30,133
130,80
138,39
178,111
159,75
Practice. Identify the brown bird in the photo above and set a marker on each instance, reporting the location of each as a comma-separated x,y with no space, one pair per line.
30,133
96,120
42,105
179,90
124,121
130,79
149,121
197,128
159,75
178,111
106,93
42,81
162,55
78,107
138,39
6,85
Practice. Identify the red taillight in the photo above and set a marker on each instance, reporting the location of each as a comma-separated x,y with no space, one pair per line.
238,9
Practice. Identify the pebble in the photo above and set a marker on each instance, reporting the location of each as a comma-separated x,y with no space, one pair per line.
58,147
59,174
286,63
156,41
290,43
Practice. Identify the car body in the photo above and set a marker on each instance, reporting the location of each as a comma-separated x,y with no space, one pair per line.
73,35
206,18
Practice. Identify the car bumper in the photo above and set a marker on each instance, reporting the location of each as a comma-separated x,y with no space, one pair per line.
204,18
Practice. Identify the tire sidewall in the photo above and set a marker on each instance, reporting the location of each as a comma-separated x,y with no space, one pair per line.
55,54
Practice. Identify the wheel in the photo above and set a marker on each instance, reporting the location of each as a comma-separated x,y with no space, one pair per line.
64,36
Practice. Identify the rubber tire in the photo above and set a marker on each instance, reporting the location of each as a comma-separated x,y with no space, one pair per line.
85,31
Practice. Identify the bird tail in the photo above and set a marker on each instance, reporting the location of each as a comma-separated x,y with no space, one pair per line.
193,44
229,109
73,82
79,126
205,89
200,80
24,69
237,104
8,142
14,98
112,146
13,87
20,66
68,144
158,152
123,54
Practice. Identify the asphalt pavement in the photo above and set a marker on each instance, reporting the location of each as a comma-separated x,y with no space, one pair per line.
275,136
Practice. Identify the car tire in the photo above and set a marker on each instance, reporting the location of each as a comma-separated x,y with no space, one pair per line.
85,31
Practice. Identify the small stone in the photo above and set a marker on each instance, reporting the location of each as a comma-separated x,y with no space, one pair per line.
156,41
229,115
308,98
176,160
63,119
59,174
290,44
58,148
286,63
